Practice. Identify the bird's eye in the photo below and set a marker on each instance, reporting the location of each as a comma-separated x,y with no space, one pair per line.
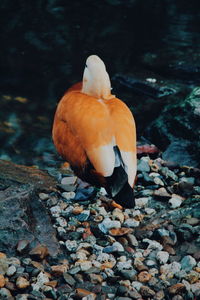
86,66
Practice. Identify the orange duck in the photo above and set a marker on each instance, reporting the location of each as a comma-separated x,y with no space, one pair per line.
95,133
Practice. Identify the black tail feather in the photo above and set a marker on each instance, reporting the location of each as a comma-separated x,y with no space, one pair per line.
119,189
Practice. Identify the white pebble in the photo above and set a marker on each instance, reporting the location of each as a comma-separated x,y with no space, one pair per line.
162,257
153,244
55,211
43,196
141,202
137,285
175,202
11,270
71,245
61,221
149,211
131,223
68,195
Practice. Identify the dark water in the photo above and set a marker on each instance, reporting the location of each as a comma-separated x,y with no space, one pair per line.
44,45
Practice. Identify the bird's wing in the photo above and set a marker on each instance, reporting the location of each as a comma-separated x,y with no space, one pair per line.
125,136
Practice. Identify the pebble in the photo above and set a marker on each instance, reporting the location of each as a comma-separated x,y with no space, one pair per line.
2,281
188,263
153,244
162,257
144,276
132,240
141,202
143,165
11,270
116,247
145,291
131,223
108,224
69,180
22,282
175,201
43,196
176,288
68,195
6,294
39,252
71,245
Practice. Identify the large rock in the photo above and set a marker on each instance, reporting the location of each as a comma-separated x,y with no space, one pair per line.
177,130
22,215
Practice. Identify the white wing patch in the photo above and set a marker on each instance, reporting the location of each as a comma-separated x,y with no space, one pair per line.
130,165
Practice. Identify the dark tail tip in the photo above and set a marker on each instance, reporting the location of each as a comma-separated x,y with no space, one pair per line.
125,197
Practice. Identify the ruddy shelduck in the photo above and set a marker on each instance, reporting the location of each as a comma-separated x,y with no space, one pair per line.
95,133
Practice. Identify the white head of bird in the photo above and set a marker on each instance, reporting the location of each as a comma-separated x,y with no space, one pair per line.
96,81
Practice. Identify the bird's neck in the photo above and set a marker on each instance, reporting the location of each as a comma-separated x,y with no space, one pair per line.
98,86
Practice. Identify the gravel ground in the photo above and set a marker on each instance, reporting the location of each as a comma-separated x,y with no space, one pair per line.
149,252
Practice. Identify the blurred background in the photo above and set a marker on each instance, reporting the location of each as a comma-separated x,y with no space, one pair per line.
151,50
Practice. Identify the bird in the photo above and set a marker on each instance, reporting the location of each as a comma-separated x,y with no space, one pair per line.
95,132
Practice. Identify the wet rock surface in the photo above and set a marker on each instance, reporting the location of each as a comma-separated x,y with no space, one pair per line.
149,252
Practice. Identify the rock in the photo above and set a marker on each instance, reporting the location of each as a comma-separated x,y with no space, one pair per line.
144,276
108,224
176,201
71,245
188,263
120,231
170,269
42,279
162,193
176,288
129,274
153,244
11,271
143,165
6,294
69,279
69,195
39,252
2,281
20,208
116,247
80,293
43,196
3,263
131,223
192,277
59,270
141,202
132,240
22,245
118,214
146,291
22,283
162,256
69,180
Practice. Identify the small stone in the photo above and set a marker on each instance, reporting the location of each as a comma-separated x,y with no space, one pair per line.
171,269
131,223
132,240
22,245
120,231
22,283
159,295
162,257
176,288
188,263
144,276
6,294
40,252
177,297
162,192
80,293
158,181
84,264
61,222
52,283
146,291
129,274
193,221
108,224
71,245
118,214
2,281
153,244
77,210
96,278
69,195
59,269
149,211
137,285
192,277
11,271
116,247
121,265
141,202
175,201
55,211
69,279
69,180
143,165
43,196
83,216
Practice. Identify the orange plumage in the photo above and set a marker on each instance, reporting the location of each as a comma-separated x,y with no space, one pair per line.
95,133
